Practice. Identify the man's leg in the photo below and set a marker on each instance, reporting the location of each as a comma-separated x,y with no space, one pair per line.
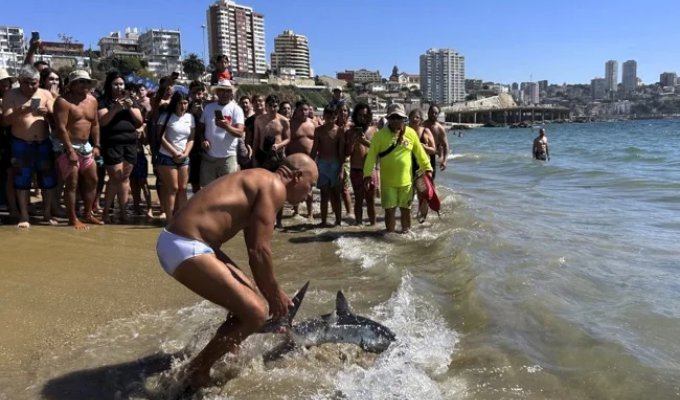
88,191
390,219
405,214
221,284
22,200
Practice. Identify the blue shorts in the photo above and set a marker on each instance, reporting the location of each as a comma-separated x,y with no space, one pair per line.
141,168
329,173
33,157
167,161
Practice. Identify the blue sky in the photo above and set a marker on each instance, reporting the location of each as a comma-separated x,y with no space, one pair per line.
503,41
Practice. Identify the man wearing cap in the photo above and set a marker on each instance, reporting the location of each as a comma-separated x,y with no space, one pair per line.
76,120
393,145
337,99
26,110
220,127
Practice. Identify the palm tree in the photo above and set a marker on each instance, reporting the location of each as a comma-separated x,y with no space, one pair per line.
193,66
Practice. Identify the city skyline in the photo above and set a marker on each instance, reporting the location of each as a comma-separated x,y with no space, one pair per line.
519,42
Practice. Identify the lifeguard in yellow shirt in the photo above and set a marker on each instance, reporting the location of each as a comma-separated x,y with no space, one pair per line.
394,146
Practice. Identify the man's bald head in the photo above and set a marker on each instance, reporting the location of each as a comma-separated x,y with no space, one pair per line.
302,171
303,163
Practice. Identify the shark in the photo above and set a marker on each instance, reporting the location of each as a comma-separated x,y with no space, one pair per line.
339,326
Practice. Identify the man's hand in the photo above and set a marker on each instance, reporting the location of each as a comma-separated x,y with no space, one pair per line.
41,111
206,145
96,152
368,182
278,303
72,157
221,123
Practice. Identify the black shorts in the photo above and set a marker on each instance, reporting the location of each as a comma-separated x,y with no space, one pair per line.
115,154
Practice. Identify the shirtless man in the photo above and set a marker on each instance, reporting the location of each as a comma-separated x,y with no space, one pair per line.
329,152
272,135
301,141
441,142
540,149
286,109
189,251
27,110
76,119
357,147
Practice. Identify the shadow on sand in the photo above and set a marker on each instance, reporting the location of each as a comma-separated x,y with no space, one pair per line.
108,382
332,235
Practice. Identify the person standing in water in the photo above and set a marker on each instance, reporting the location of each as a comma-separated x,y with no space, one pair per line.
540,149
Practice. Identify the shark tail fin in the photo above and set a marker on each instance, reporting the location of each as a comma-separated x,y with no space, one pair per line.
341,305
273,325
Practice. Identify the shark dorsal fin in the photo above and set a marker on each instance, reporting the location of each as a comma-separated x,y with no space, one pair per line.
341,305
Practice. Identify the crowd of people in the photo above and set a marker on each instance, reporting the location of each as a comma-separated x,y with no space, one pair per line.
86,145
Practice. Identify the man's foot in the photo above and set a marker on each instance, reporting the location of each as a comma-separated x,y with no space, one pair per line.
51,221
91,219
323,224
338,223
149,214
23,225
122,217
78,225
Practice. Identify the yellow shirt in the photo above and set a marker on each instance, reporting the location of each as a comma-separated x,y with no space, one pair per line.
395,167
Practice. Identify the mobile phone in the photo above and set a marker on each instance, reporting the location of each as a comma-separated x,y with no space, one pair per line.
219,115
35,103
35,36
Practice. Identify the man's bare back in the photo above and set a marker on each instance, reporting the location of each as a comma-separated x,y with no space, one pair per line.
219,211
302,137
26,124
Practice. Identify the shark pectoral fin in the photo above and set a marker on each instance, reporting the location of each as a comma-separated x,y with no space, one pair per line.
279,351
297,300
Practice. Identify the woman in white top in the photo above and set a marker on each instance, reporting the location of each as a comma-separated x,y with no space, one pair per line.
177,128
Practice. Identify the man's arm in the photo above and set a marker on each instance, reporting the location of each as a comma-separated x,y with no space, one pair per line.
258,235
443,147
421,156
315,145
285,135
32,48
371,157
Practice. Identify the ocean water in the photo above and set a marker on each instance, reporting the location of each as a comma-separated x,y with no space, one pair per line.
540,280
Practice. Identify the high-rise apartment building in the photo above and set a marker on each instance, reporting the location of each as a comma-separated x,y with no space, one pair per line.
598,88
629,77
162,49
668,79
12,48
237,32
442,76
531,93
611,75
291,55
117,45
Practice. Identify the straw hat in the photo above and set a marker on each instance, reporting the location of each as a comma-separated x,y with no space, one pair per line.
80,75
222,85
4,75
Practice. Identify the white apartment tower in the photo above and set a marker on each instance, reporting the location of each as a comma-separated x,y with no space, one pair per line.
442,76
611,75
629,78
12,48
291,55
237,32
162,49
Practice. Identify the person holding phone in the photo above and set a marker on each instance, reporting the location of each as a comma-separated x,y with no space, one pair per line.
119,119
26,110
221,125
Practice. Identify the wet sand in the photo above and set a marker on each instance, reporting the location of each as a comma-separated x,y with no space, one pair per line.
58,285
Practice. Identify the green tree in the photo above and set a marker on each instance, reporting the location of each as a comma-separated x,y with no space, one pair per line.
193,66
